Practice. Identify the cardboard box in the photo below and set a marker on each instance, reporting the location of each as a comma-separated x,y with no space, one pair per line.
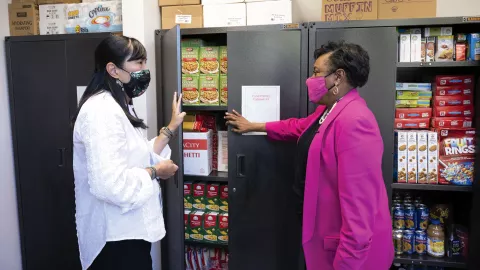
45,2
445,49
414,95
405,48
388,9
225,15
416,47
441,101
430,49
223,55
414,86
224,199
185,16
52,27
412,165
223,90
438,31
188,195
223,151
432,158
405,103
407,113
218,2
446,80
94,17
186,220
423,50
454,111
24,19
199,196
164,3
452,122
454,90
401,156
24,1
223,227
412,123
349,10
213,197
196,231
269,12
190,93
422,157
210,228
474,47
197,153
53,18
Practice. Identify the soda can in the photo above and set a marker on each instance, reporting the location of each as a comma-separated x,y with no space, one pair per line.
398,217
422,215
408,242
398,241
421,242
410,217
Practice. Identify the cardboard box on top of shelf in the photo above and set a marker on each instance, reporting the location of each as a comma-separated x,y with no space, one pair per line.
53,18
269,12
43,2
349,10
25,1
224,15
185,16
388,9
219,2
24,19
164,3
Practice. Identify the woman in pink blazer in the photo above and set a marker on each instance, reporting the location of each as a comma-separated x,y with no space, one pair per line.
346,217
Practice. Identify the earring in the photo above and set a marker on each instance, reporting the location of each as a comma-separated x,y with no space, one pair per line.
120,84
335,91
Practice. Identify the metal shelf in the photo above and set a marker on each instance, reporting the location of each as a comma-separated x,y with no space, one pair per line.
426,260
213,177
438,64
209,245
431,187
204,108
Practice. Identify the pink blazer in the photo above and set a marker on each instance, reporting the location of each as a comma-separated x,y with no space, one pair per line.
346,217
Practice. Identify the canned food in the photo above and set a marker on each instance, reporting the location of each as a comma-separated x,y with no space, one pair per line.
422,215
398,217
398,241
410,219
417,201
420,242
408,242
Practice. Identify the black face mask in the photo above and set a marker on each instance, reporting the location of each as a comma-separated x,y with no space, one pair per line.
138,83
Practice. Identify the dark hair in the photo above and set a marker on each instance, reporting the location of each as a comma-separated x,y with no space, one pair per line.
347,56
117,50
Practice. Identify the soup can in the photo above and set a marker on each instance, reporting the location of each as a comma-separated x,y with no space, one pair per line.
398,217
408,242
422,215
421,242
410,219
398,241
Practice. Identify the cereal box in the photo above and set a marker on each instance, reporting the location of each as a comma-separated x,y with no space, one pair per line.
199,196
405,51
420,103
186,219
223,90
196,231
456,156
413,86
224,198
190,64
401,156
403,113
414,95
213,197
440,101
444,80
223,228
412,166
452,122
430,56
190,93
416,47
187,195
197,153
209,63
209,84
454,90
223,60
422,157
210,227
432,157
222,151
412,123
454,111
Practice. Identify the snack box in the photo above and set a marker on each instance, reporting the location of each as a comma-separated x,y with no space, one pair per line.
414,86
454,90
186,219
213,197
210,228
452,122
209,89
441,101
199,196
412,123
416,48
474,46
224,199
438,31
430,48
427,95
405,113
405,48
400,156
209,60
412,165
422,138
456,156
188,195
190,93
432,156
190,64
223,228
195,229
412,103
445,49
444,80
454,111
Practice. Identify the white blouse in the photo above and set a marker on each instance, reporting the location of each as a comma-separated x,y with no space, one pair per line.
115,197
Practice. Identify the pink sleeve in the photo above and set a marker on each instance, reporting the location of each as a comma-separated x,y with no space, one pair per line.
291,129
360,183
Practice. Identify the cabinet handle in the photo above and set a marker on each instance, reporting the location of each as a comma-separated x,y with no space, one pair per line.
241,166
61,164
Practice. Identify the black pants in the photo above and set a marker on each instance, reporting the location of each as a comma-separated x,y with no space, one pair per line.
124,255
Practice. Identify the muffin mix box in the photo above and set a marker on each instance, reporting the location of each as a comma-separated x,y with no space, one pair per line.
400,156
412,157
456,156
432,157
422,141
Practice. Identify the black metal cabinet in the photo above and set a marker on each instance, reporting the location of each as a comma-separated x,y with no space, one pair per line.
43,74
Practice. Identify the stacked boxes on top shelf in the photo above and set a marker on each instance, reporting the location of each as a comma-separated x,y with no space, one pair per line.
186,13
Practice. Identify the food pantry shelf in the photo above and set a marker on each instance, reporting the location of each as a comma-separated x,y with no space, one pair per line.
213,177
457,263
210,245
204,108
431,187
438,64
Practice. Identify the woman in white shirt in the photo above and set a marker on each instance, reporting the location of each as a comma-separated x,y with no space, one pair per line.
117,196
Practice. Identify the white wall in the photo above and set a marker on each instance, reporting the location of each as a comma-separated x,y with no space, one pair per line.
10,256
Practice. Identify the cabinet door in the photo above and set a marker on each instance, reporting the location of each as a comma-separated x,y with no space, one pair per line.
264,229
379,92
41,125
169,81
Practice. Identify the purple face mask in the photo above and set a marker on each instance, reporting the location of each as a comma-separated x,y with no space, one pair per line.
317,88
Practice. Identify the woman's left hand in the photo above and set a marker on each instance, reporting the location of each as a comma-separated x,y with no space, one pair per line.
177,116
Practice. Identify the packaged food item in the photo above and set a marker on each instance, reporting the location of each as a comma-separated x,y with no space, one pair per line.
188,195
412,123
432,158
420,103
422,215
454,245
438,31
412,157
223,228
440,101
210,227
199,196
197,153
415,95
405,50
196,226
223,59
398,241
456,156
474,46
410,223
435,240
398,217
452,122
186,219
430,56
421,242
401,156
446,80
190,63
224,199
413,86
190,93
213,197
422,157
416,47
223,90
462,234
94,17
445,49
460,52
209,62
209,94
192,42
423,49
454,90
408,242
223,151
406,113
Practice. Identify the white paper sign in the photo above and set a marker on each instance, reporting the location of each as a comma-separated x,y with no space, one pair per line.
80,91
261,104
183,19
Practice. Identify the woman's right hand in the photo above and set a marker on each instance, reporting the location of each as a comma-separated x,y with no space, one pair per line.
165,169
238,122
